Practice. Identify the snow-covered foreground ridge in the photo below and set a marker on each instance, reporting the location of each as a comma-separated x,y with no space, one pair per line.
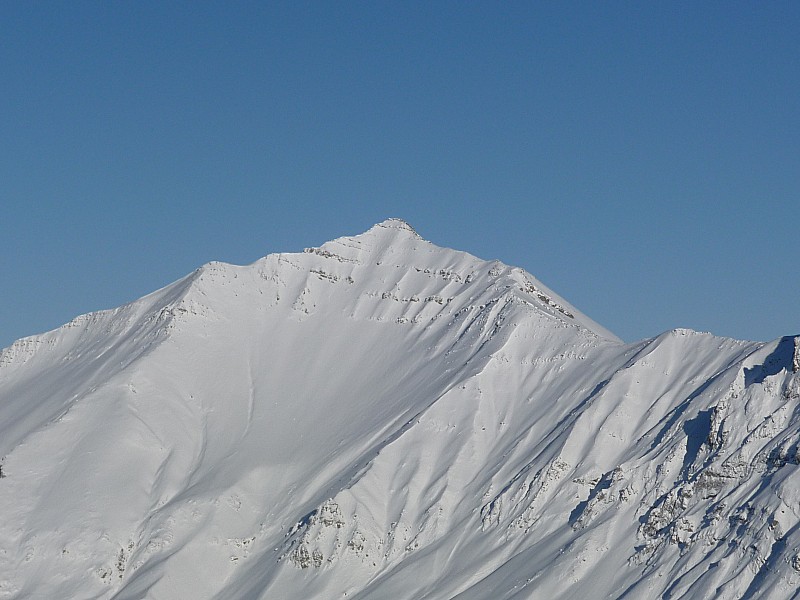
384,418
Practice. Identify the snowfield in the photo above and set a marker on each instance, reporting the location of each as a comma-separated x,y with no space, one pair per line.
382,418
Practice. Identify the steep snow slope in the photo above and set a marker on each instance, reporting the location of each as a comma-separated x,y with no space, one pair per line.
383,418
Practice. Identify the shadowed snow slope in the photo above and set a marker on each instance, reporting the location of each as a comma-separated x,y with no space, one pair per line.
384,418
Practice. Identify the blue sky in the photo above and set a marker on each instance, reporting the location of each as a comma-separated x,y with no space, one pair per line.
641,159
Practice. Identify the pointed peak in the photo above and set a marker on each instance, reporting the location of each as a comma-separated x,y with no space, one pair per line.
395,223
383,235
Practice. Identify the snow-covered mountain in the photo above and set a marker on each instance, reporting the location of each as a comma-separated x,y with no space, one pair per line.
384,418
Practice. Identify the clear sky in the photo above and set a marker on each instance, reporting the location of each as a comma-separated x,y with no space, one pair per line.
641,159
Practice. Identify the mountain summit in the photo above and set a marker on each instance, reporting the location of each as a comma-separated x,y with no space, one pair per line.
380,417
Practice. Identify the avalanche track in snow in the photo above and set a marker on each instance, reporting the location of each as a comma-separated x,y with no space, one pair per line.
380,417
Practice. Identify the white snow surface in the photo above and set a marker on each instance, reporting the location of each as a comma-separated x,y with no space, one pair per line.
382,418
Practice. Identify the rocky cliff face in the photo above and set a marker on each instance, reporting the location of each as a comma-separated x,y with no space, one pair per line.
383,418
